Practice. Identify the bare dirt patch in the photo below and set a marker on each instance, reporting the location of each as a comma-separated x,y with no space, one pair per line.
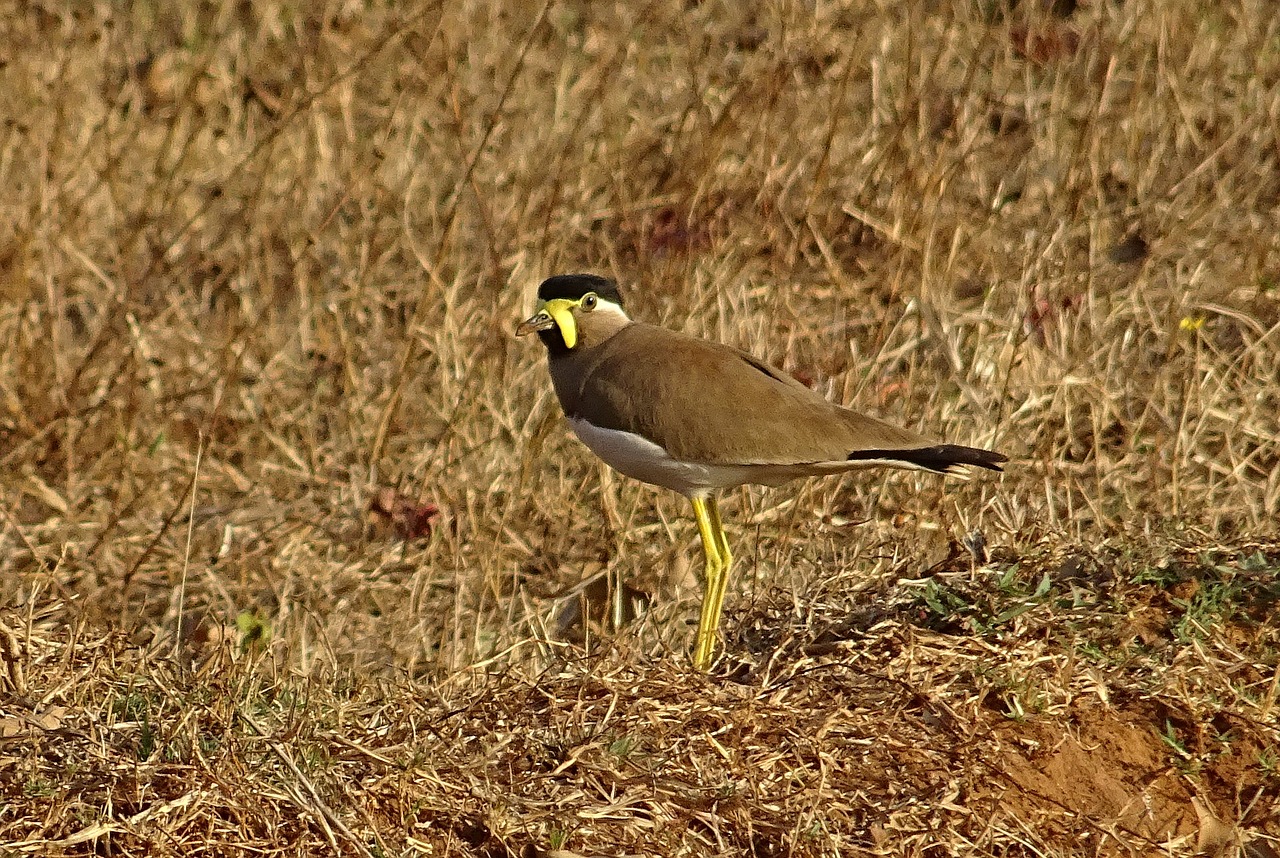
893,738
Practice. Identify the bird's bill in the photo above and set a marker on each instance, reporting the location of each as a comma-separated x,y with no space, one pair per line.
556,313
540,321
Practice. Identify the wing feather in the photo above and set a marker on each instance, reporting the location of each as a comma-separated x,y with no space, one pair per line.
705,402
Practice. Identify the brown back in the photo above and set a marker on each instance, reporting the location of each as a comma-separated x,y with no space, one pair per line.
705,402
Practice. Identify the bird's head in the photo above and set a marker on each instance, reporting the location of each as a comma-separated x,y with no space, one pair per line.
575,310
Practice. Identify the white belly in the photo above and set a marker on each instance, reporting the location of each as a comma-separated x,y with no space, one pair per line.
644,460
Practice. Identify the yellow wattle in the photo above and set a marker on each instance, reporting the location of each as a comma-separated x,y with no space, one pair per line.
559,309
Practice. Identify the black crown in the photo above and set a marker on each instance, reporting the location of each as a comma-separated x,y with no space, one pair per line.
574,286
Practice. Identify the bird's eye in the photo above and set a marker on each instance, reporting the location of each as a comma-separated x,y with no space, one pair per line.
589,301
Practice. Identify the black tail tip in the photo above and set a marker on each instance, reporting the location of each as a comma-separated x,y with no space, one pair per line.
941,458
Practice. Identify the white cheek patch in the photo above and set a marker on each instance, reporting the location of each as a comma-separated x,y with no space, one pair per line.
611,309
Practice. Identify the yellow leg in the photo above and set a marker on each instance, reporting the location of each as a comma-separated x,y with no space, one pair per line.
726,561
715,548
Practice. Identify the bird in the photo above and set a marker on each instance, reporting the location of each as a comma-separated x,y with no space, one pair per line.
697,417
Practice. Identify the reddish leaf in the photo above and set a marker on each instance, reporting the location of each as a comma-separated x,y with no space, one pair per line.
411,519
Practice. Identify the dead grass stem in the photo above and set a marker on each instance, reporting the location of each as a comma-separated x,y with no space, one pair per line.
261,267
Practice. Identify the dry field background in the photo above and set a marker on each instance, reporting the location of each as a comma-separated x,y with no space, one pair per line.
260,265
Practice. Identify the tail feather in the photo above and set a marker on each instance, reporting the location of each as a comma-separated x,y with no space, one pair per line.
940,458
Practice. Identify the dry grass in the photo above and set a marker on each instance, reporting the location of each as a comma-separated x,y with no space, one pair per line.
262,263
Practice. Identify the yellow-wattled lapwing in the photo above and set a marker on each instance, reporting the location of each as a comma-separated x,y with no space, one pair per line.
696,417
